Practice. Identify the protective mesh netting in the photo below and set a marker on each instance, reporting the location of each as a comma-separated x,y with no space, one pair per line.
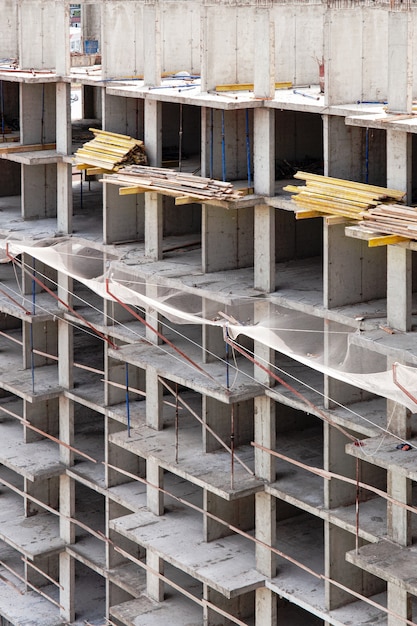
331,348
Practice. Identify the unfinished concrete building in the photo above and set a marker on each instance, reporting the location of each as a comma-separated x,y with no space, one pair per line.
207,405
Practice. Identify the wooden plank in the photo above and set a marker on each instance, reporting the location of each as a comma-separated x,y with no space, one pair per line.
27,148
386,240
94,171
179,200
249,86
306,214
129,191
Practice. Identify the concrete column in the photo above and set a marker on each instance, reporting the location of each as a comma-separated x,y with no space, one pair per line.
217,416
154,407
226,243
64,147
152,43
336,492
62,42
399,288
400,61
212,336
155,497
264,151
399,161
399,602
153,131
264,66
265,607
154,585
67,532
265,531
153,226
265,435
152,316
264,253
43,490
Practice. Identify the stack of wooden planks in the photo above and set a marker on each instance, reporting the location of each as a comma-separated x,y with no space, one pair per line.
335,196
171,182
392,219
110,151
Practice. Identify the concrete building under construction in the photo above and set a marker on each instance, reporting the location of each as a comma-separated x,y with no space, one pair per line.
208,380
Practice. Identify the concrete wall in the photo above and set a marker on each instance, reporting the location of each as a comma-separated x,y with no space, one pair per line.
37,34
180,25
8,30
228,47
360,35
122,21
298,42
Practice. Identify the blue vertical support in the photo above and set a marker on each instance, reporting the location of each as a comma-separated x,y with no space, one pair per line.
227,358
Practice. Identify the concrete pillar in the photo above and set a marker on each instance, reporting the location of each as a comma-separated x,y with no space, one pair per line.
64,146
152,43
153,131
154,585
265,435
62,42
264,151
399,602
399,288
264,252
152,316
217,416
154,497
265,531
153,225
342,149
123,115
239,513
265,607
399,161
400,61
264,66
154,392
212,336
336,492
67,532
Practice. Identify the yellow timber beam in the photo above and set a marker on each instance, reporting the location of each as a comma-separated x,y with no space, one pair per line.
249,86
386,240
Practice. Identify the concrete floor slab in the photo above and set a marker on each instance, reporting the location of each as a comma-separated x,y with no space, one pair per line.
35,461
31,536
207,470
175,611
227,565
383,452
389,561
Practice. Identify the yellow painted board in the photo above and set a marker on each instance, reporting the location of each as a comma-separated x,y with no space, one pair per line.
128,191
94,171
249,86
386,240
306,214
184,200
394,193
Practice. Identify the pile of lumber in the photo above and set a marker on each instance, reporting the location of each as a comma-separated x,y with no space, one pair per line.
171,182
335,196
392,219
110,151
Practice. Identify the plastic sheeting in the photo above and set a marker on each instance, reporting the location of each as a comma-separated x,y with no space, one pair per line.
328,347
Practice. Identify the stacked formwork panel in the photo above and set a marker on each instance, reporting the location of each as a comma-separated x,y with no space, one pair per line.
151,472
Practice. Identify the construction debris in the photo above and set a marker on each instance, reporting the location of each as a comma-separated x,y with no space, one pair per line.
110,151
339,197
171,182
